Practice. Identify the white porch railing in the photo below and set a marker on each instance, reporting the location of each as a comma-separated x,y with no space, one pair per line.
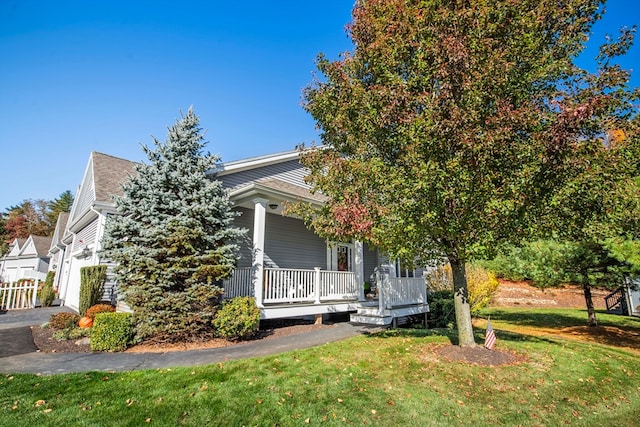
401,291
287,285
240,284
18,295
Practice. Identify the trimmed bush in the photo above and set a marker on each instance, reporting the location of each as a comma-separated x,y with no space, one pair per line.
92,281
63,320
111,331
99,308
47,294
442,312
237,318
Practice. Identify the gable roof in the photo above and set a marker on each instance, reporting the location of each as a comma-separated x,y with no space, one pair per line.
109,173
42,244
33,246
222,169
61,225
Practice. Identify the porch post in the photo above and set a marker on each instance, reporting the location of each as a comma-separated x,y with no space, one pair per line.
259,215
359,267
316,284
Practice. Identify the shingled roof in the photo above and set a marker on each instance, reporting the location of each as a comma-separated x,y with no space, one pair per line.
42,244
109,173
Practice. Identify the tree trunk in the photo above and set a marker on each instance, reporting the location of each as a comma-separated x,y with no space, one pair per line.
461,302
591,311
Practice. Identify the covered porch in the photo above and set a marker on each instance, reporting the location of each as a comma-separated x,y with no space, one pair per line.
292,272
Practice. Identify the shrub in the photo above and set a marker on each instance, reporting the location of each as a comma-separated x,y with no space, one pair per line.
47,294
442,313
99,308
543,261
63,320
71,333
111,331
482,286
92,280
237,318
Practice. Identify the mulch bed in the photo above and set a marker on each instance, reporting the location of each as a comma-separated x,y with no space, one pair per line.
44,341
478,355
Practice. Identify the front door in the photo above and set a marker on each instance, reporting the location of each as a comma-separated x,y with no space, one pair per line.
344,257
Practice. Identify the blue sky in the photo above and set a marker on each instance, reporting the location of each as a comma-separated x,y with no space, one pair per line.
82,76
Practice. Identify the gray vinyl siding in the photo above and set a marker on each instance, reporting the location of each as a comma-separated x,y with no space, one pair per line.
85,198
288,243
291,172
245,220
86,236
370,257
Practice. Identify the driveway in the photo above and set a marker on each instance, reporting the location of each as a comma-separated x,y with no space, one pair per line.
19,354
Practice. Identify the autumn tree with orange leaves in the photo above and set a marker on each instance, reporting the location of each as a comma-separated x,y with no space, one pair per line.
453,125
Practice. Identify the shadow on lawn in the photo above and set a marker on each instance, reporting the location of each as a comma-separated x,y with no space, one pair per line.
561,319
543,326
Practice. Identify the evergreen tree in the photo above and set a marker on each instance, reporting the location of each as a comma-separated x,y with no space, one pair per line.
61,204
174,238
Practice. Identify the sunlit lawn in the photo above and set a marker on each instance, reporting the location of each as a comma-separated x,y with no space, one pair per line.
391,379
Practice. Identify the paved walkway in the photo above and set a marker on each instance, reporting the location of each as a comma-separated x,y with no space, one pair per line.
18,353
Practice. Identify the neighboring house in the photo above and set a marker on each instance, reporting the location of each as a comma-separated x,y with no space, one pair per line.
26,258
625,300
80,241
56,251
284,265
633,295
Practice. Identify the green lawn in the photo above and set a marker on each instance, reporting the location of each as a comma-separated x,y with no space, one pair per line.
387,379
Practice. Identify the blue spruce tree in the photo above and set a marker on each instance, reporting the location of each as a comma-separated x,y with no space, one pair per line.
174,238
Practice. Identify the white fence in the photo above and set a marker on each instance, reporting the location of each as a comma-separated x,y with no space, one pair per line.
18,295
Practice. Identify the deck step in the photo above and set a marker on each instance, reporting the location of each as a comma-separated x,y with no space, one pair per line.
370,320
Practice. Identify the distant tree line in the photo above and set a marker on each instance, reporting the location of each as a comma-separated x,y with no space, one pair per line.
32,217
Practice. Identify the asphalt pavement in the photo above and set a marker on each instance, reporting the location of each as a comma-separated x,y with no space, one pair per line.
18,353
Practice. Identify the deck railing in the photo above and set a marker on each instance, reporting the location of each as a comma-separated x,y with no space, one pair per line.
316,286
240,284
287,285
400,291
291,285
616,302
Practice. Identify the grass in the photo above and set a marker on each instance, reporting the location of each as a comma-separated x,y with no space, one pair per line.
394,378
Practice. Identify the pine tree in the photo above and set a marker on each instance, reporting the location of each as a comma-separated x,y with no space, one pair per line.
61,204
174,237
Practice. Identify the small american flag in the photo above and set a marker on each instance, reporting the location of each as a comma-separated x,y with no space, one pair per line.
490,336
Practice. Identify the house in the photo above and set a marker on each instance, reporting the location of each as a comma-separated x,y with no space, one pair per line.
288,269
56,250
625,300
77,245
26,258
